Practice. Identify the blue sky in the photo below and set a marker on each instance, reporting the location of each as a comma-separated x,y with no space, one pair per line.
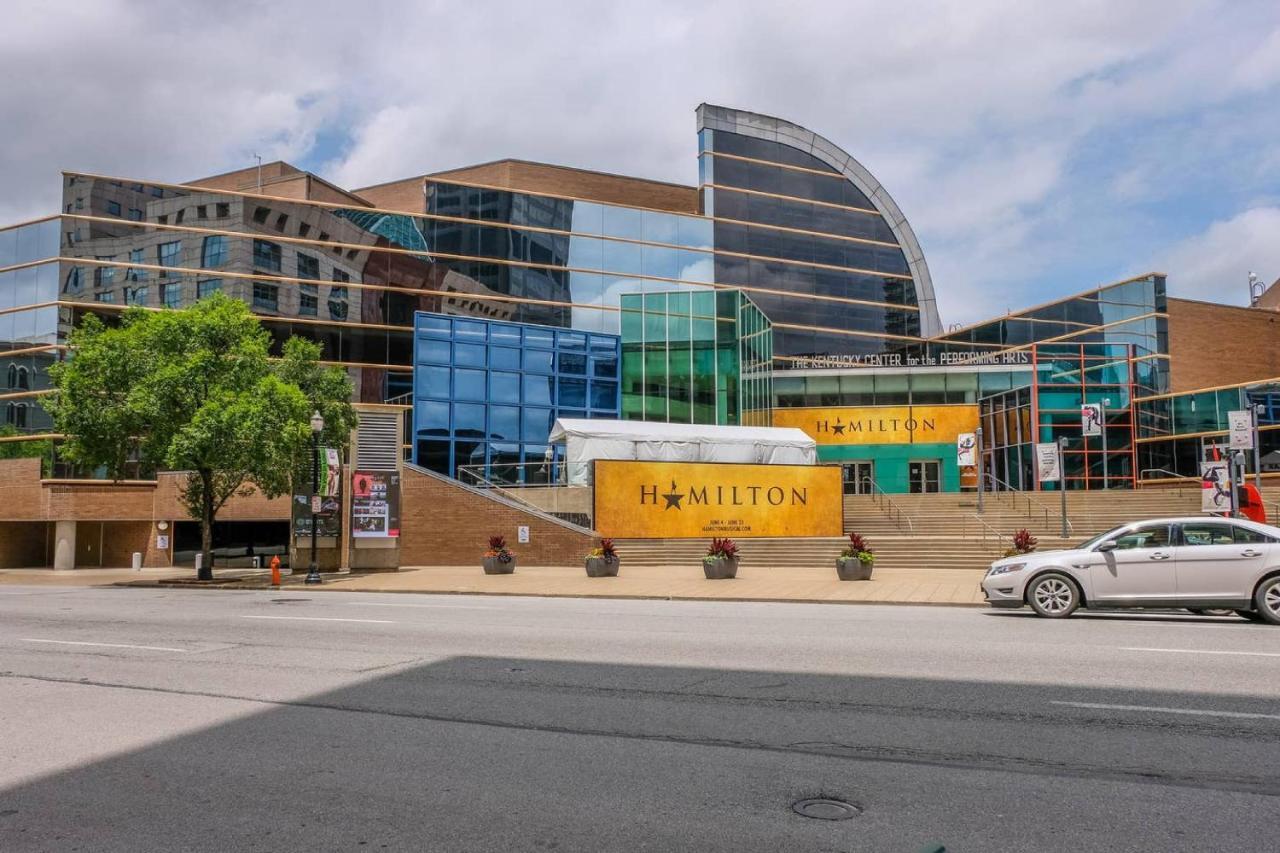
1038,150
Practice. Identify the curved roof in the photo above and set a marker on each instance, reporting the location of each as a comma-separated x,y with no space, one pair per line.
794,136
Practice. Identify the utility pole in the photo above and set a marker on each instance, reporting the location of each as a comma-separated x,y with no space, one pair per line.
1062,482
981,470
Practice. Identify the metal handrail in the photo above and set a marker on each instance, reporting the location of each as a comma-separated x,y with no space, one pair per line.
1049,512
882,500
986,528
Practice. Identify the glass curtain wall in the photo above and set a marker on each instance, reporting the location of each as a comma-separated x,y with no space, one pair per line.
702,358
788,223
29,323
487,393
1179,431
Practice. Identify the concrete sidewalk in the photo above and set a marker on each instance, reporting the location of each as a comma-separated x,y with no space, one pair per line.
888,586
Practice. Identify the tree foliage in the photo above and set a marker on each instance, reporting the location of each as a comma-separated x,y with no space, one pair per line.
195,390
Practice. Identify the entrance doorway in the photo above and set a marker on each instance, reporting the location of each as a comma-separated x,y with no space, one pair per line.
858,477
924,475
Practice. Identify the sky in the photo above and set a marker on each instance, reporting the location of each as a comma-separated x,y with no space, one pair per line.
1037,149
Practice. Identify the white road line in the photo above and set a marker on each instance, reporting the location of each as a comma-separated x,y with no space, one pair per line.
1195,712
1201,652
432,606
321,619
104,645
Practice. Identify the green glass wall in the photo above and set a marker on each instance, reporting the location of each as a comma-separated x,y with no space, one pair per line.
701,357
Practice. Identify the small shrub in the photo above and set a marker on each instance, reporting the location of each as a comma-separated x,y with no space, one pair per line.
1024,542
498,548
858,547
604,550
725,548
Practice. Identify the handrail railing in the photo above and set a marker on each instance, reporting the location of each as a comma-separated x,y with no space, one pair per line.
1184,481
986,528
1032,505
882,500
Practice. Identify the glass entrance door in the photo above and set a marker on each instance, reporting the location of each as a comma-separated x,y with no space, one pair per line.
858,477
924,475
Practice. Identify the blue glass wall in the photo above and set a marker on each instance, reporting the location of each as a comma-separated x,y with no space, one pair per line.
486,393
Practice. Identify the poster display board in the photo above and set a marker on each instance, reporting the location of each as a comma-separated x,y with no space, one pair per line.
1215,487
1048,462
1241,426
660,500
328,518
967,449
375,504
1091,419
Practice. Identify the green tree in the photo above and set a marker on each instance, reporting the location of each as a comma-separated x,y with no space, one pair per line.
194,390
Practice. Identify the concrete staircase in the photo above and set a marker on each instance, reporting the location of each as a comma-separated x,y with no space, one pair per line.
941,531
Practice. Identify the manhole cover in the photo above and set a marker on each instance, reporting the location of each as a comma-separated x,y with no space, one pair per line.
824,808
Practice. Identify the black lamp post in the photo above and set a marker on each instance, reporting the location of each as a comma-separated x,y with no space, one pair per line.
317,426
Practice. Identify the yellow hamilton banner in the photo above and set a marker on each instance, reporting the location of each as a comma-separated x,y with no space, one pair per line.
881,424
659,500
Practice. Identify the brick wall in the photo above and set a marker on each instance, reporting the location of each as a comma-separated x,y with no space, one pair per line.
1212,345
21,497
443,524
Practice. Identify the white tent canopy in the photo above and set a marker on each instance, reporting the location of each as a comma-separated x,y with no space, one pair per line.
651,441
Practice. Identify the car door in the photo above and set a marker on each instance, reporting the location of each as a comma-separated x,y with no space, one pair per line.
1218,561
1140,571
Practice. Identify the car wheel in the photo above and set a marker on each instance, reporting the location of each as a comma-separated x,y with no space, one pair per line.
1054,596
1267,600
1249,615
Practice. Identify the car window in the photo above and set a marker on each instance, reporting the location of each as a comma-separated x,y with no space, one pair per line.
1245,535
1208,533
1147,536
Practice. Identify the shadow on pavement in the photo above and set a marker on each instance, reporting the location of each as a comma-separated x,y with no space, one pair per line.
495,753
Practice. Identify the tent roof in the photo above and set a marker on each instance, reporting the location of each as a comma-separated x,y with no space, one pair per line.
659,431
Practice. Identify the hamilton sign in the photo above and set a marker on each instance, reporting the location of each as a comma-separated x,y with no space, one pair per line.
881,424
661,500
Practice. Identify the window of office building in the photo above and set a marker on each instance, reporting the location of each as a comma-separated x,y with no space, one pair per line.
171,294
266,296
208,286
266,255
170,254
214,252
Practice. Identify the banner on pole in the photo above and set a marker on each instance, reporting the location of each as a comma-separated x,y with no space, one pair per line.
1048,462
1215,487
1091,418
1241,426
966,449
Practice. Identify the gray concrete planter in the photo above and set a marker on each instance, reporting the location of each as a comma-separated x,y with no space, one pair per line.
603,567
720,568
853,569
496,566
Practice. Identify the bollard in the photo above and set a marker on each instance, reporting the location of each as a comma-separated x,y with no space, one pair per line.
137,561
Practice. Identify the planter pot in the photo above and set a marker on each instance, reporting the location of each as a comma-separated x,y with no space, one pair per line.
602,567
853,569
720,568
495,566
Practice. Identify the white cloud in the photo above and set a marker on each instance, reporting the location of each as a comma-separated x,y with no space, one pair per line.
1214,265
1019,139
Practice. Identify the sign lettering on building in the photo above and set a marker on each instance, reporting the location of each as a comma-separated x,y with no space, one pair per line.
894,359
881,424
685,500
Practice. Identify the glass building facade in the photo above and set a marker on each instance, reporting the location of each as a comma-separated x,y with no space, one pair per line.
1176,432
703,357
486,393
29,323
1065,376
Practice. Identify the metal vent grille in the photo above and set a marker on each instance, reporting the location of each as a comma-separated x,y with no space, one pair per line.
378,442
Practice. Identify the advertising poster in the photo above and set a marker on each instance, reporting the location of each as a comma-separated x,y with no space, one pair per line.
375,504
1048,462
1241,426
1215,487
328,518
881,424
966,449
1091,418
657,500
330,472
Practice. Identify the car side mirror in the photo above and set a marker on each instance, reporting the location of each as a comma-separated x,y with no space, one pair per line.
1109,545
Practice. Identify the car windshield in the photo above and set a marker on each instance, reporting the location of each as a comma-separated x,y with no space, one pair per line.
1101,537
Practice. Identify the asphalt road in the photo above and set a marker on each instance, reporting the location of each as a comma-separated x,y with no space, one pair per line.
172,720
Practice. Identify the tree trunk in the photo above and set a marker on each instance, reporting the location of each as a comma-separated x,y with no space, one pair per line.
206,526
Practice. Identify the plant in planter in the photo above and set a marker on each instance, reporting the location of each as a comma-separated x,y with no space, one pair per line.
856,560
498,560
603,560
1023,543
721,561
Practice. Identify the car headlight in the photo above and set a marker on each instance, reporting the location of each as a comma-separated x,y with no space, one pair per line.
1006,568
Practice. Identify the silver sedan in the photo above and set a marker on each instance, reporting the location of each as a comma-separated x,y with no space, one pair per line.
1202,562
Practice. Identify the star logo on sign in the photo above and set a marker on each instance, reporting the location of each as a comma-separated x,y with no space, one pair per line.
838,429
672,498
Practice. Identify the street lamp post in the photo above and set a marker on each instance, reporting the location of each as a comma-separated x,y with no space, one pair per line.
1256,410
981,469
1106,404
317,426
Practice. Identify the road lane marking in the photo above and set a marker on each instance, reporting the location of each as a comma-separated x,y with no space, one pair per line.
104,645
1200,652
439,606
1239,715
321,619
